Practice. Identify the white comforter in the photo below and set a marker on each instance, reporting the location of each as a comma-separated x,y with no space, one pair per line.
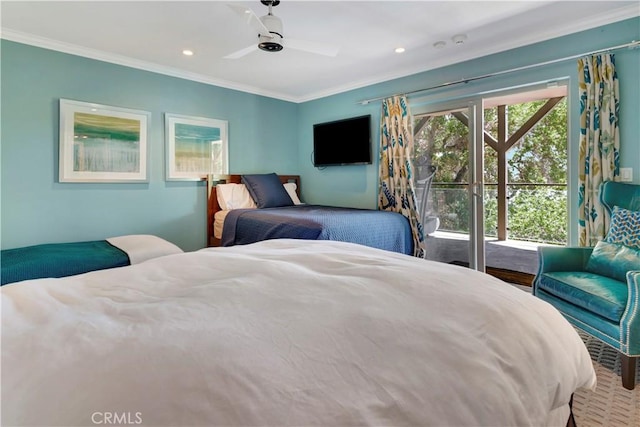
285,332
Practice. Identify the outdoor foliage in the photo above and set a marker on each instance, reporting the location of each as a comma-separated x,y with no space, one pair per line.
536,213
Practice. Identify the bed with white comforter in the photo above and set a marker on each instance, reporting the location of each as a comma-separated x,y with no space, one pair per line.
286,333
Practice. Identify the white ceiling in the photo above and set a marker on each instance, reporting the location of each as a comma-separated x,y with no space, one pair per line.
151,35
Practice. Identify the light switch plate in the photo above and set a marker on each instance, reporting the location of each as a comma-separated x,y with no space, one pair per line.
626,174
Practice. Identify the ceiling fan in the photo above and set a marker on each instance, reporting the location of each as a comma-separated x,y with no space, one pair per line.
270,36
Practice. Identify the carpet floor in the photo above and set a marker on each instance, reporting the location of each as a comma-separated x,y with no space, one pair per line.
610,405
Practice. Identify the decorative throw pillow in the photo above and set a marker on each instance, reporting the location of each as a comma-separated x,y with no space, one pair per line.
613,260
267,190
624,228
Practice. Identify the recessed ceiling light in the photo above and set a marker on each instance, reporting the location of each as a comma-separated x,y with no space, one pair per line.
399,50
187,52
439,44
459,38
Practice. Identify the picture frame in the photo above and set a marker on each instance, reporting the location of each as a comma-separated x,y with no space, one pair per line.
196,147
103,144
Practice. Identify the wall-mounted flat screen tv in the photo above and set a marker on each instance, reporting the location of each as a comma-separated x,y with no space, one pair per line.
342,142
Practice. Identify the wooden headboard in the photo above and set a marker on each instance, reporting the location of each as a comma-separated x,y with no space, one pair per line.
212,200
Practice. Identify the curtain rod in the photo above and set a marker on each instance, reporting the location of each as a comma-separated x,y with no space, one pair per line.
631,45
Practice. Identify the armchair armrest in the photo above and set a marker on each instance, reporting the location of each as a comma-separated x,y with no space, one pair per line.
630,322
552,258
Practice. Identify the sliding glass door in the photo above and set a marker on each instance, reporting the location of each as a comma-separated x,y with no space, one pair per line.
499,187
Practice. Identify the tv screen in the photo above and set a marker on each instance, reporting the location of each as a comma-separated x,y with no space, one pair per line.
343,142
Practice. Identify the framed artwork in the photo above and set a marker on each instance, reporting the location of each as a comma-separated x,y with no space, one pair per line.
100,143
195,147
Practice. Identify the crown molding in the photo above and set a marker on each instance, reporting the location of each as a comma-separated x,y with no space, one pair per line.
72,49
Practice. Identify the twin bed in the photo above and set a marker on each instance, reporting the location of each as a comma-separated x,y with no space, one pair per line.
68,259
286,332
235,218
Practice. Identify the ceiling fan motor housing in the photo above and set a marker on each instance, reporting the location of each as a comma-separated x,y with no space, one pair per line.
272,41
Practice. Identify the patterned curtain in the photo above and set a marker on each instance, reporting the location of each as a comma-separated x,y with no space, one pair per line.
599,158
397,190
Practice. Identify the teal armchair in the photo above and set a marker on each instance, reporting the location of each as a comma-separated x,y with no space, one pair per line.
598,288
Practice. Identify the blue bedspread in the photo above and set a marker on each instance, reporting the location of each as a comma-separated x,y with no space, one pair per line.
59,260
378,229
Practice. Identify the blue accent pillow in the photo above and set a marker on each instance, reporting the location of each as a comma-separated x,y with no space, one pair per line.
624,228
267,190
613,260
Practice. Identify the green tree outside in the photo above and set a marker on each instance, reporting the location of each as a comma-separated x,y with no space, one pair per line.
536,213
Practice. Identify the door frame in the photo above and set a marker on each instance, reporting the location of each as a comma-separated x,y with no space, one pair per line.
475,191
477,259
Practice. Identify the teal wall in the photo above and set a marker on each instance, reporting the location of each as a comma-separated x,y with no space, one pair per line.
358,185
36,208
265,135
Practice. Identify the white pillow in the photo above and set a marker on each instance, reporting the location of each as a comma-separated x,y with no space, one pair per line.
234,196
291,190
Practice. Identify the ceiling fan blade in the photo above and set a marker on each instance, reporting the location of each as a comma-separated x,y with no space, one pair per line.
250,18
313,47
242,52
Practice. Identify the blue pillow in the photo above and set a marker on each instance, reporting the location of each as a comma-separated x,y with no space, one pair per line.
613,260
624,228
267,190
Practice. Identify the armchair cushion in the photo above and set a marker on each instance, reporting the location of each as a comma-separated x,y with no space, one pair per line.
625,227
613,260
598,294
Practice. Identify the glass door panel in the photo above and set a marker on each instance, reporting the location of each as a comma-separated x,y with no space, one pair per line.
445,165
